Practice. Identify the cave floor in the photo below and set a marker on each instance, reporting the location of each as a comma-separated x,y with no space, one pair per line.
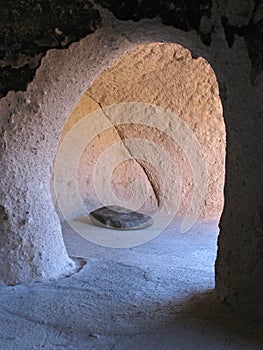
154,296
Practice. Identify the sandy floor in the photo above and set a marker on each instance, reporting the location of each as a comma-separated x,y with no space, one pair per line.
134,298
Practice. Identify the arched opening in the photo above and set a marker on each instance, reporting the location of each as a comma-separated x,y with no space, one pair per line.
164,75
32,247
45,107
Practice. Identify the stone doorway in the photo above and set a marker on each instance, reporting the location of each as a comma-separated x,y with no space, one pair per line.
167,76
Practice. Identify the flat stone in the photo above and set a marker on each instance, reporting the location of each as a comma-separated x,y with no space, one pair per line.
115,217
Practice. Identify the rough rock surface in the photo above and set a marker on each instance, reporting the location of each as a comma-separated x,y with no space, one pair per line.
128,299
31,123
185,15
164,75
120,218
29,29
56,24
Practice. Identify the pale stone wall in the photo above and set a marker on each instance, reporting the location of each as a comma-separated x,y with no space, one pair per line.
164,75
31,244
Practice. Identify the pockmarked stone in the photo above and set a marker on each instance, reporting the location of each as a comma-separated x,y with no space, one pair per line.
118,218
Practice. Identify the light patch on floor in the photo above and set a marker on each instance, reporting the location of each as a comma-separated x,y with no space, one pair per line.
122,298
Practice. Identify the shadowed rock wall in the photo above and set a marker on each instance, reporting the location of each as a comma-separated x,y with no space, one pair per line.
32,120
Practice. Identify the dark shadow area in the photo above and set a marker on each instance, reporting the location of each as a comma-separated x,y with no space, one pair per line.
206,306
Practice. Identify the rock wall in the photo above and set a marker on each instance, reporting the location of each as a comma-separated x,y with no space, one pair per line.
164,75
30,28
32,121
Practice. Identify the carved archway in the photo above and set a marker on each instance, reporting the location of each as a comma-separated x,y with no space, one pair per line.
32,247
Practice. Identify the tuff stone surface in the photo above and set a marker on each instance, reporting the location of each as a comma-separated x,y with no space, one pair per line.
245,19
128,299
185,15
28,29
164,75
30,134
56,24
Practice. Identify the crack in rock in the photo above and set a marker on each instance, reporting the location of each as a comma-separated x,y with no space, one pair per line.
146,172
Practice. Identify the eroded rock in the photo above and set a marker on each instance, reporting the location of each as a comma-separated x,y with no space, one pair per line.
115,217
